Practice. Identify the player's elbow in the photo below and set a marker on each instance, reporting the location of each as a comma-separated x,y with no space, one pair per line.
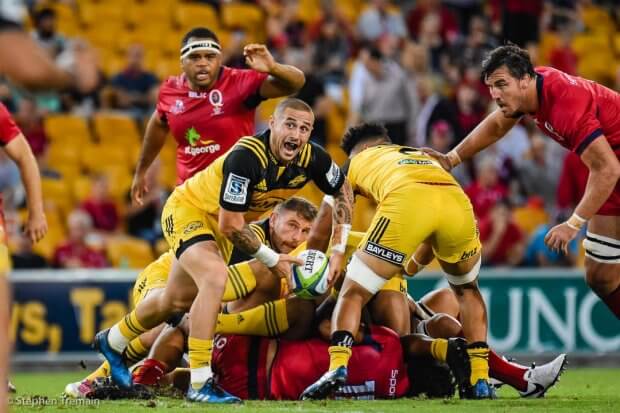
229,225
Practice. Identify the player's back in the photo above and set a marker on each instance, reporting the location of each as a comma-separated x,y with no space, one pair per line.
382,169
376,370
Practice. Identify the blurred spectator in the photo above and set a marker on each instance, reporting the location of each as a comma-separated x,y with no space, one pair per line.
519,19
430,37
464,11
382,95
502,241
434,107
6,96
448,26
537,254
30,121
331,51
442,137
11,187
45,33
22,256
563,57
283,27
380,18
134,89
469,111
143,221
100,206
470,51
487,189
75,252
536,175
572,182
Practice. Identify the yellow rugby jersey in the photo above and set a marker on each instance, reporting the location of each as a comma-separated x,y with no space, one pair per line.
379,170
249,178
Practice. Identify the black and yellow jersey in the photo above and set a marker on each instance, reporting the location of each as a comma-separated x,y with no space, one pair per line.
261,229
379,170
250,179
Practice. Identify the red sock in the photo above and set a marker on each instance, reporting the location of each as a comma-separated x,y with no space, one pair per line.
508,373
613,302
149,373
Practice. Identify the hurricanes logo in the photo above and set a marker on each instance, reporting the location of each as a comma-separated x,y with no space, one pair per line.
193,138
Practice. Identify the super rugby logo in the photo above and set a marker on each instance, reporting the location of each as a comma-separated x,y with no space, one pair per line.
236,191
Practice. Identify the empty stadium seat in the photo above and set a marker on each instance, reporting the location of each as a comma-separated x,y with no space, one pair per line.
66,128
196,15
247,17
116,129
129,252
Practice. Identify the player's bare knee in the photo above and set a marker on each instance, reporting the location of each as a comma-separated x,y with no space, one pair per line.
443,326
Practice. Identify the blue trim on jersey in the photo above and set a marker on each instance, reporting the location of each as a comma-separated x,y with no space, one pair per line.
588,140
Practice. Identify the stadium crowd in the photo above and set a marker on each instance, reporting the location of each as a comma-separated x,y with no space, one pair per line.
412,65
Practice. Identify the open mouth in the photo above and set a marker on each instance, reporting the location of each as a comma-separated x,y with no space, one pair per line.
291,146
202,75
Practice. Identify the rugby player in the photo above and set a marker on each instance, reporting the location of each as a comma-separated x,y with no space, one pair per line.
249,284
18,150
258,173
418,201
210,106
580,115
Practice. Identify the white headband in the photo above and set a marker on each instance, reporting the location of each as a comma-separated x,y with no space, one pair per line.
209,45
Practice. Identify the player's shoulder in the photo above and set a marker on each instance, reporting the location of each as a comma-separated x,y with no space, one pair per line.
174,83
253,149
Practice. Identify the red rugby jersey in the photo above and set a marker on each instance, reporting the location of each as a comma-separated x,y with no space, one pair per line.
206,124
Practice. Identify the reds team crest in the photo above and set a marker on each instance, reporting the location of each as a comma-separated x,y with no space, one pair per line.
217,101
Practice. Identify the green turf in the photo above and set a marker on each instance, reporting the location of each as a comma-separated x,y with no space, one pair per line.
580,390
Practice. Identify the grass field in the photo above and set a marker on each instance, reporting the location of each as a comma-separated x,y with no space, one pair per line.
580,390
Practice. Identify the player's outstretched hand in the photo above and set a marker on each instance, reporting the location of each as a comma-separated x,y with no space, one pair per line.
336,266
283,268
139,188
258,57
558,237
442,158
36,227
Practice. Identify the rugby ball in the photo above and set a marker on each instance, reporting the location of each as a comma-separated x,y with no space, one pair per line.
310,278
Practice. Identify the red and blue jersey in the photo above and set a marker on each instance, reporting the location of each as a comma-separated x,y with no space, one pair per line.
206,124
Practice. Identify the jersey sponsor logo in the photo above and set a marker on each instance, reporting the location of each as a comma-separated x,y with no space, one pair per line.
469,254
192,226
194,138
178,107
393,382
217,100
333,175
298,180
196,95
236,191
415,162
384,253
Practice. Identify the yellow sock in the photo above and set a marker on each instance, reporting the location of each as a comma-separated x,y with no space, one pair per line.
136,351
269,319
102,371
439,349
338,356
241,281
199,360
130,327
479,360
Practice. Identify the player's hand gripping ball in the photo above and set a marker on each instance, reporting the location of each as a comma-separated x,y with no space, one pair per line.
310,279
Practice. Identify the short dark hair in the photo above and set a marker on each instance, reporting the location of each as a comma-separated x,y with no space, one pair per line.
300,205
516,60
362,133
292,103
44,13
200,33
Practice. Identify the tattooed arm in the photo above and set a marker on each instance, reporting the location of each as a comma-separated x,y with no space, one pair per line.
233,226
342,215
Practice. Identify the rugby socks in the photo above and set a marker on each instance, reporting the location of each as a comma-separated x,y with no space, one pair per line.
439,349
340,349
507,372
124,331
241,281
269,320
479,360
102,371
135,351
149,373
613,302
200,361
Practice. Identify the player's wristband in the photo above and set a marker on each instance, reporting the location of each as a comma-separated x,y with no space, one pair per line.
575,222
454,158
340,245
267,256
